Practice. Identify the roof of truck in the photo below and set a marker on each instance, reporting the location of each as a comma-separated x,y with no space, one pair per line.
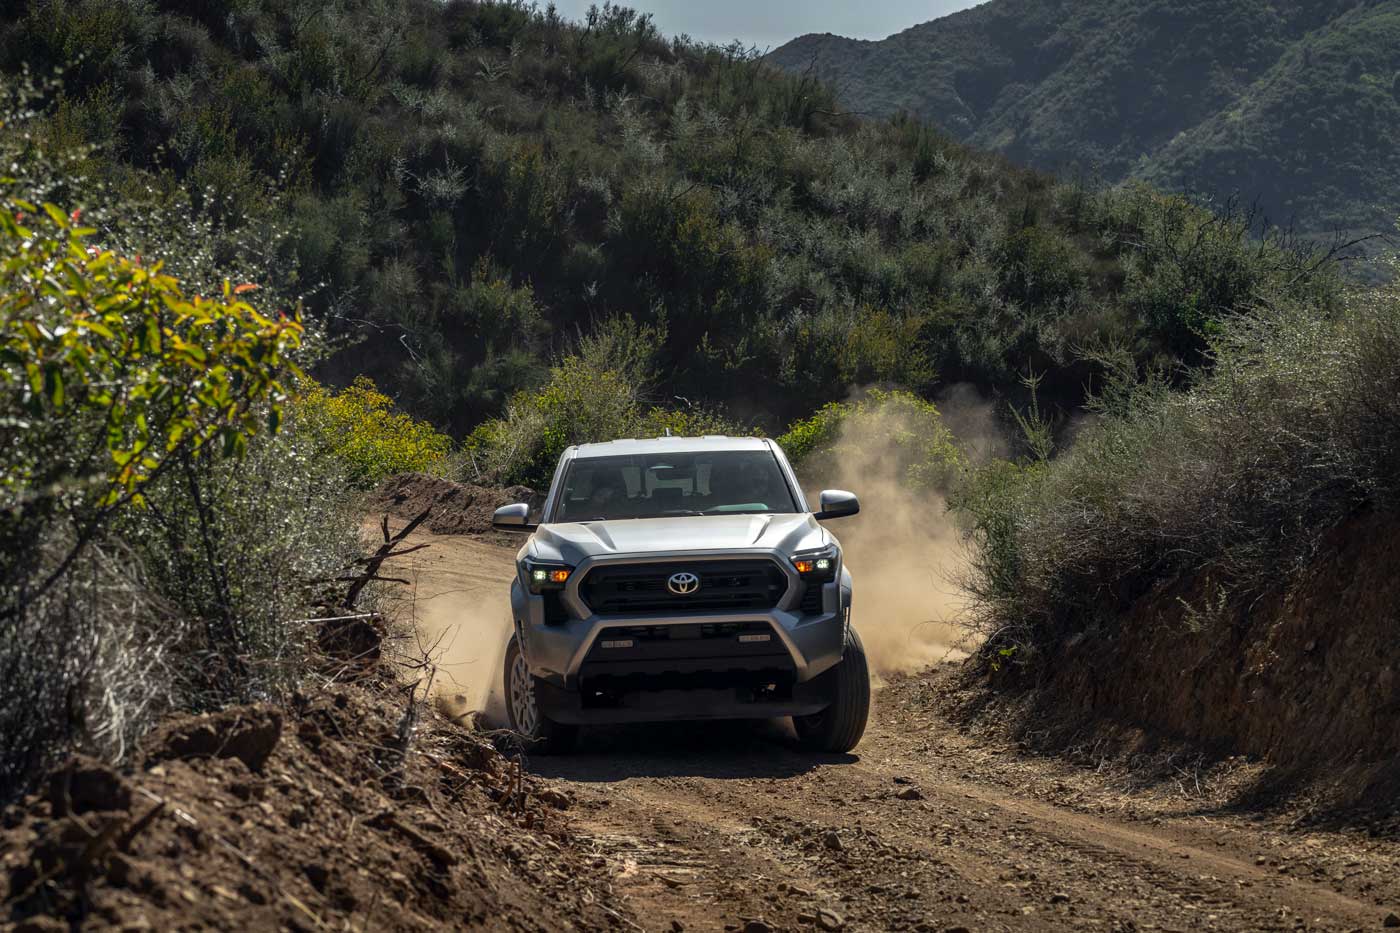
629,447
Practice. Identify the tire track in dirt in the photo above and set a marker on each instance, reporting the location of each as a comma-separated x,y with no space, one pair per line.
725,826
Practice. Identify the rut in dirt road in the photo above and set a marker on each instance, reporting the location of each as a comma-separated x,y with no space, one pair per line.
725,827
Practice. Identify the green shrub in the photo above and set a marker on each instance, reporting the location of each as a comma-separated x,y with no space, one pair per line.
1187,268
911,429
581,403
111,376
1295,428
361,427
159,528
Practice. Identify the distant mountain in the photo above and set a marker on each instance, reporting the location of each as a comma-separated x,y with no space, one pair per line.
1294,104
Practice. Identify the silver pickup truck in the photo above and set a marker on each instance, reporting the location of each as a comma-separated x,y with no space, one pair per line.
682,578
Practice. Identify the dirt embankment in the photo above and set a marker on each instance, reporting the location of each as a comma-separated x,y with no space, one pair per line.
1306,678
331,813
458,509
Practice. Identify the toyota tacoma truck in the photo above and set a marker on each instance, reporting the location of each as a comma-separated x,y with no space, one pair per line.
679,579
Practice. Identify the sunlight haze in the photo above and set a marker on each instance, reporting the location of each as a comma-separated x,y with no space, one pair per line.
770,23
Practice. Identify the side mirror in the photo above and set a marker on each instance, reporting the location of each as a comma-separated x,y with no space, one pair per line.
512,518
837,503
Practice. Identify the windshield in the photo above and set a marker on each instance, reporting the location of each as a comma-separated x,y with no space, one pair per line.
725,482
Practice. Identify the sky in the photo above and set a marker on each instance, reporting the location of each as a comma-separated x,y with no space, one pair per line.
770,23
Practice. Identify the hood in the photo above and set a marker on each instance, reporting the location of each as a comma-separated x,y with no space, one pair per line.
572,543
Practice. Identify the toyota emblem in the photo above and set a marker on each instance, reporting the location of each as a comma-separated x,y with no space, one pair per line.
683,584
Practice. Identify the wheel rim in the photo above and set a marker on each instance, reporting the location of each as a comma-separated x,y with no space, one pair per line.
522,698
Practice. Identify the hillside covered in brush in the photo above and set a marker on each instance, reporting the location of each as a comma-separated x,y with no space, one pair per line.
1294,104
470,192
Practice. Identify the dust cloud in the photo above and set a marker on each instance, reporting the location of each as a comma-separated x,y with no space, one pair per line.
904,550
456,620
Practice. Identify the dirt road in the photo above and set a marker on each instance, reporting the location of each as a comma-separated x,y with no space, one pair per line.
728,827
922,829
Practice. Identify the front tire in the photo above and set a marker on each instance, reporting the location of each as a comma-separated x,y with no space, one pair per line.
537,733
838,728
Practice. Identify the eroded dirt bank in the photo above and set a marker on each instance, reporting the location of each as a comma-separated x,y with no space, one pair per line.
1306,675
349,809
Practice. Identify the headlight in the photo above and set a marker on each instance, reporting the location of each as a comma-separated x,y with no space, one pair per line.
818,566
541,576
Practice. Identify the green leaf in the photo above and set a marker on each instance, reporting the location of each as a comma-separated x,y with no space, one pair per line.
53,385
56,215
97,327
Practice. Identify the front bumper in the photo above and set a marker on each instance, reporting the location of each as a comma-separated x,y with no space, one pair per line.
803,644
571,707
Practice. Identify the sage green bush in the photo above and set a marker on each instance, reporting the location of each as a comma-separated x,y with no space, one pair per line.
916,448
1294,429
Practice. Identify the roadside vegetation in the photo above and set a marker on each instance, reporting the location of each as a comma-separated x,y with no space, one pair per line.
168,503
1292,431
361,427
916,447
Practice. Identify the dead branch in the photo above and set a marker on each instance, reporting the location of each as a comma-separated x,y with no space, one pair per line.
386,551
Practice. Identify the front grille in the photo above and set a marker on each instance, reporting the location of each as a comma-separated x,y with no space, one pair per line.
725,586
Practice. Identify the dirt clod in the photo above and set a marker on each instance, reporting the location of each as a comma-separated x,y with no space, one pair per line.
247,733
909,793
832,840
1392,920
554,798
86,786
830,920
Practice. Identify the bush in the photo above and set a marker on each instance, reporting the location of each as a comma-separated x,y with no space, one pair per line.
159,530
1295,428
361,427
582,403
911,429
113,377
